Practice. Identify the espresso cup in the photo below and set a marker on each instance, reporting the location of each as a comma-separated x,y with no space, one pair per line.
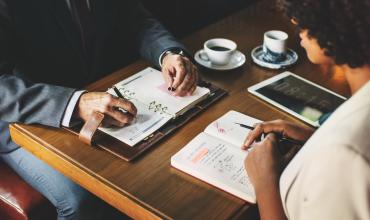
274,46
218,51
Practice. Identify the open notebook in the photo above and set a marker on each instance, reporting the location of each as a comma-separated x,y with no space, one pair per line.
215,156
156,105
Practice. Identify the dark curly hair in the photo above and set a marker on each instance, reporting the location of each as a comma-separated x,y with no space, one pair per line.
341,27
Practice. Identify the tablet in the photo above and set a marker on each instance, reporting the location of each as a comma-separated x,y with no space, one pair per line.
298,96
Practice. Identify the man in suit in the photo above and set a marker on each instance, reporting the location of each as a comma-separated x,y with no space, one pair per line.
50,49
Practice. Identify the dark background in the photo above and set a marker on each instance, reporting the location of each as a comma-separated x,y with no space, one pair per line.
185,16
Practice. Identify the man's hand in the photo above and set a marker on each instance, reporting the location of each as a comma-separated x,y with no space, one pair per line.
108,105
180,73
285,128
263,163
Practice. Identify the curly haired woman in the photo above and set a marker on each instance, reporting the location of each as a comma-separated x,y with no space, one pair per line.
329,178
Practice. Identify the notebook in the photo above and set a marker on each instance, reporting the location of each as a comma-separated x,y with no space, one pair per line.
215,156
156,106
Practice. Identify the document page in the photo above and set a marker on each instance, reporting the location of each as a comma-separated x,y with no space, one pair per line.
145,123
228,127
216,162
149,87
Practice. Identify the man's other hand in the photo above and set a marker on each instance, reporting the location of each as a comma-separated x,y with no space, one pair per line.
180,74
107,104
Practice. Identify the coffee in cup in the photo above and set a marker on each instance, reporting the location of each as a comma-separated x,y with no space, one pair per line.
274,46
218,51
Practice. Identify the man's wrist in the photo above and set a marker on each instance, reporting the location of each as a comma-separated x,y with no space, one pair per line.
71,108
172,51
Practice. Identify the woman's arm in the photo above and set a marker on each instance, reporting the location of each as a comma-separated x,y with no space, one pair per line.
263,165
269,203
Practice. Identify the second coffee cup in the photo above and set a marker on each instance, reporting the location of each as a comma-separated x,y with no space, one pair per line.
274,46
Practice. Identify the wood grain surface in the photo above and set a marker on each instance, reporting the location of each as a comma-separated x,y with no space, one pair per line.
148,187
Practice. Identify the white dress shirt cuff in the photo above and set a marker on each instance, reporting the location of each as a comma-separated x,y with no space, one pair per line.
177,51
161,58
67,118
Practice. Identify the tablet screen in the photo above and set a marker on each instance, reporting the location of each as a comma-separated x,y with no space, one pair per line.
301,97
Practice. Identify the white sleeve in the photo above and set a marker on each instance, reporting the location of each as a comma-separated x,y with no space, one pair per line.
336,186
67,118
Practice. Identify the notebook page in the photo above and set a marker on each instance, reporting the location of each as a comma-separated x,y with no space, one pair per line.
217,163
225,127
149,87
145,123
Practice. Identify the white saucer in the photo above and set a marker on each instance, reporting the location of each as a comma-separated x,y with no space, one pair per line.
257,56
237,60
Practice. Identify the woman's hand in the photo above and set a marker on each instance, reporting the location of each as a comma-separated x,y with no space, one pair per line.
285,128
263,163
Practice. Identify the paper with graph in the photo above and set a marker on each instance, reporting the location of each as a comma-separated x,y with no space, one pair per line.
145,123
215,156
149,88
156,106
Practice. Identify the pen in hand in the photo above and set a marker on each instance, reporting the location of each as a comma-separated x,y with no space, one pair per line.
171,88
119,94
281,138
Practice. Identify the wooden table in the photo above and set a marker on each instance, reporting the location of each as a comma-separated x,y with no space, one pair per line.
148,187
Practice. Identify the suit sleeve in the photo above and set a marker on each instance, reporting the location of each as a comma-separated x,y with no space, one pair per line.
21,100
153,38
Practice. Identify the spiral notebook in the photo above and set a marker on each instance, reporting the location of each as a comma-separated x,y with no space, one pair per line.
156,106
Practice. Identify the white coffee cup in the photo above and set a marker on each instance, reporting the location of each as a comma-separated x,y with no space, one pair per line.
218,51
275,46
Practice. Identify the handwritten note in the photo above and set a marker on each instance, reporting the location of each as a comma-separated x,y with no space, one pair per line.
148,86
220,161
223,128
216,162
215,155
146,123
226,128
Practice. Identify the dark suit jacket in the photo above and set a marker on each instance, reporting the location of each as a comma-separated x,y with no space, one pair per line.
41,57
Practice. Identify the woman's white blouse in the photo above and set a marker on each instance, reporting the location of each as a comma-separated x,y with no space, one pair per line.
330,177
